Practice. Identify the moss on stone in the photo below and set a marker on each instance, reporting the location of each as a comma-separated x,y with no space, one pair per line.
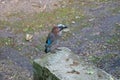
42,73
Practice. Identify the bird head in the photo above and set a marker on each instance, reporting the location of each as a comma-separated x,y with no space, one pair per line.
58,29
61,26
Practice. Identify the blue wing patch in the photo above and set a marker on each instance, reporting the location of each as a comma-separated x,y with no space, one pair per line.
48,42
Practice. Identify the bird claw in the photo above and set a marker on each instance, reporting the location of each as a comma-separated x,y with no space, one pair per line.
58,49
54,51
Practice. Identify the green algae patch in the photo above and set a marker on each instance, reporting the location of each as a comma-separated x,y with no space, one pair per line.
3,24
41,73
6,42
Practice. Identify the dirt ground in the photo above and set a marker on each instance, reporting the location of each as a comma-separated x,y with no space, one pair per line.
94,33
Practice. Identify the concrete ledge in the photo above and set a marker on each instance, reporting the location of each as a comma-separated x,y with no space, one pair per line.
65,65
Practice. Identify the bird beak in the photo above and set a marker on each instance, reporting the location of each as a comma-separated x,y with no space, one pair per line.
62,27
65,27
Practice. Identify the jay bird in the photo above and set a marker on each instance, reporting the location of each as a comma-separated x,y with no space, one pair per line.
53,37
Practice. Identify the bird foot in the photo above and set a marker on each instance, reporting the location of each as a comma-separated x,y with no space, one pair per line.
53,51
58,49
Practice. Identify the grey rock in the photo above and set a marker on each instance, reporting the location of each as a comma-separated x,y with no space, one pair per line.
65,65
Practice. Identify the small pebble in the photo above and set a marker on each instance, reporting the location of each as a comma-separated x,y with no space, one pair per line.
29,37
73,22
91,19
77,17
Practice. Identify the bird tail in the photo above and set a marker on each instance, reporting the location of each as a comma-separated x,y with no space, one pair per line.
47,49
